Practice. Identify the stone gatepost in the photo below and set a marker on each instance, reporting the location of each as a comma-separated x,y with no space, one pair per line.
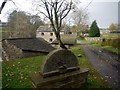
60,70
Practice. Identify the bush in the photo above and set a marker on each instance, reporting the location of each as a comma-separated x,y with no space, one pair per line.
111,42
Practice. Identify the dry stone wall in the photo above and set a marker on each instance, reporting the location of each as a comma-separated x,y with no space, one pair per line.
10,51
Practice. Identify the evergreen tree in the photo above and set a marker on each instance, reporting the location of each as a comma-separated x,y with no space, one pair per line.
94,30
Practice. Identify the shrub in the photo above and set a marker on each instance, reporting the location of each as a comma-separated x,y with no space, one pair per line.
111,42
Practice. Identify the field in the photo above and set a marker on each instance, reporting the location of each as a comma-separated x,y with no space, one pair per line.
16,72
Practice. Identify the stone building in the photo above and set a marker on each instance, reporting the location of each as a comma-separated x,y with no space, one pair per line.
46,33
24,47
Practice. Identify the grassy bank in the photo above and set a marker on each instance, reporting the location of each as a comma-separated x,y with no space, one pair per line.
16,73
108,48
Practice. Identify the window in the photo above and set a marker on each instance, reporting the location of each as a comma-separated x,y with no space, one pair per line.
51,34
42,34
51,40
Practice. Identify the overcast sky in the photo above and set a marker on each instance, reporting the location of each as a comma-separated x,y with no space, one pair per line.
104,12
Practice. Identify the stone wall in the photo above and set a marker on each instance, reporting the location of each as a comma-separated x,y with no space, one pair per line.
93,39
10,51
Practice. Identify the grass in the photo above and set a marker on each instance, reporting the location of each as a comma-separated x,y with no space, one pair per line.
108,48
0,75
112,49
16,73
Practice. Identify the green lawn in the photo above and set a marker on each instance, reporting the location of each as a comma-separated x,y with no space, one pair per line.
16,73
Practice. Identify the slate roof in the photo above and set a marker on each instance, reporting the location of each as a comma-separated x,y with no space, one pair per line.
44,29
31,44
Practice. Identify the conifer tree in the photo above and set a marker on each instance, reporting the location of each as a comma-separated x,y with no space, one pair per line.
94,30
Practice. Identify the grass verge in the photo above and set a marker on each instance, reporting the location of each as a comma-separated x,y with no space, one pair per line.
108,48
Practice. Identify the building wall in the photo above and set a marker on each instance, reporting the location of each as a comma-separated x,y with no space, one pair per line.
10,51
48,36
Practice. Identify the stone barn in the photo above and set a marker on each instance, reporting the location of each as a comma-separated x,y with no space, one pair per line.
24,47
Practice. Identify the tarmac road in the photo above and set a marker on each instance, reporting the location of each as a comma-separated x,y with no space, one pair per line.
105,63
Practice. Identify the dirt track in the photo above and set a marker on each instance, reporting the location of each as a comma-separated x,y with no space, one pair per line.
107,64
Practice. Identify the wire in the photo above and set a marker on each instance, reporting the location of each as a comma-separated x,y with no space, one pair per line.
14,3
88,5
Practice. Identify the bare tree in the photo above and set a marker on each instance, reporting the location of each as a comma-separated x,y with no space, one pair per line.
3,4
56,11
80,19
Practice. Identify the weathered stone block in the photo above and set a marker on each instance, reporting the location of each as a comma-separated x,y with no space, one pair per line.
74,79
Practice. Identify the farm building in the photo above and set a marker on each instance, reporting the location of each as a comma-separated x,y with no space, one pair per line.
46,33
24,47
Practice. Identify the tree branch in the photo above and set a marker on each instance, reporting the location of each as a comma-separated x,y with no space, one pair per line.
70,7
44,14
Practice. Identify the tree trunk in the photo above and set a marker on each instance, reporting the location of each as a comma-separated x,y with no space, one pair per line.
62,45
60,42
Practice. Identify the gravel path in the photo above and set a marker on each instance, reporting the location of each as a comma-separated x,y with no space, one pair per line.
106,64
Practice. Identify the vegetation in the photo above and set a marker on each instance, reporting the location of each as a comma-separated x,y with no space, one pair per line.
94,30
113,27
80,18
16,73
22,25
114,42
112,49
74,29
108,48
